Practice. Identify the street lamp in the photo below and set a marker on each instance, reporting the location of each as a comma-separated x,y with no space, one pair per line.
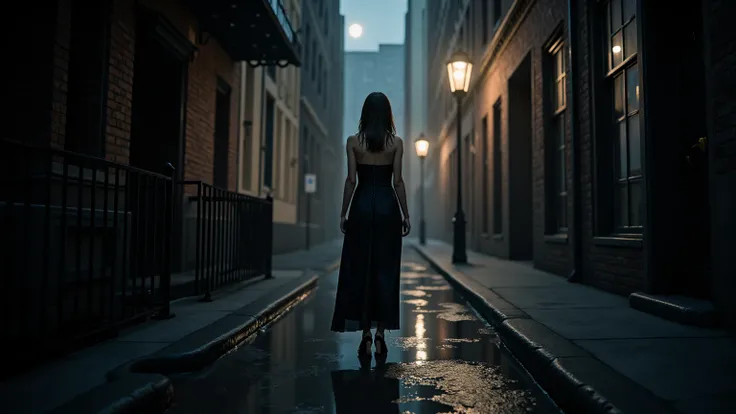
422,147
459,69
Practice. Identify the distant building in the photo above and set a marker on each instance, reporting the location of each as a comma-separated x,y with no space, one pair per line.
374,71
269,147
321,124
415,121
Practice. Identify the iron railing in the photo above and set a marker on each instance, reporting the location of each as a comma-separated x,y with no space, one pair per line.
232,236
85,249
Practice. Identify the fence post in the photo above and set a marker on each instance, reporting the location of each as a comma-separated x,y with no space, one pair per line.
165,284
269,237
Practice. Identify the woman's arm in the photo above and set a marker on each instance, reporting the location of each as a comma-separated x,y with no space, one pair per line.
347,193
399,178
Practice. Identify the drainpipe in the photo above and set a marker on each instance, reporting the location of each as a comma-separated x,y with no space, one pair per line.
576,276
262,131
241,108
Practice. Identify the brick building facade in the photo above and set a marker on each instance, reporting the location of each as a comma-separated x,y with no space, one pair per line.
580,140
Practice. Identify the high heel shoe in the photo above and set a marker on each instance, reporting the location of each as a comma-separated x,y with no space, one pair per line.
381,349
364,349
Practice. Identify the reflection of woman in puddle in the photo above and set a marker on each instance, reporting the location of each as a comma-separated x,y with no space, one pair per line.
365,391
368,288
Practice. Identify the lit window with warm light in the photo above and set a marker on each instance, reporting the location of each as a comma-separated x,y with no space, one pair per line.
625,131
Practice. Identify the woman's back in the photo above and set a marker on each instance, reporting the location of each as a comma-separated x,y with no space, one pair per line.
383,157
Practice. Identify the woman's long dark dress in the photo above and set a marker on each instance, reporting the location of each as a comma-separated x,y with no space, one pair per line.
370,268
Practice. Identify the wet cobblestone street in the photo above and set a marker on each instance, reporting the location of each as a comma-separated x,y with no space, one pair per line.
444,359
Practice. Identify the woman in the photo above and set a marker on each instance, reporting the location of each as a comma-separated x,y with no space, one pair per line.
368,288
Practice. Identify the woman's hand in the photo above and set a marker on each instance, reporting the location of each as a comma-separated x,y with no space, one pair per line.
405,227
343,224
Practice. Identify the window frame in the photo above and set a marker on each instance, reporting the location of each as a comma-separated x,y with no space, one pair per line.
607,125
556,174
498,201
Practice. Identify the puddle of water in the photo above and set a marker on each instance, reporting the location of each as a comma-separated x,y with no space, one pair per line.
416,302
443,359
415,293
465,387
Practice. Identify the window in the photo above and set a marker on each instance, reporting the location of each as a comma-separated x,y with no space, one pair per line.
88,70
313,54
556,171
484,20
319,75
268,153
622,79
496,11
307,37
484,177
497,171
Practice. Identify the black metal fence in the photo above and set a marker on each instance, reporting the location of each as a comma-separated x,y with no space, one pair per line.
85,249
232,236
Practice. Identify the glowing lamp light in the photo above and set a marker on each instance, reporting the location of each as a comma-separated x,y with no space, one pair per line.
617,49
459,70
421,145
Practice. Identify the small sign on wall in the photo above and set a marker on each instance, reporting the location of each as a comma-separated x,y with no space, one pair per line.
310,183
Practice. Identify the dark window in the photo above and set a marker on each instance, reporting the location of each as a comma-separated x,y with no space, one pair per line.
313,66
484,179
622,78
88,69
307,37
556,182
484,20
222,134
319,75
268,153
497,171
496,11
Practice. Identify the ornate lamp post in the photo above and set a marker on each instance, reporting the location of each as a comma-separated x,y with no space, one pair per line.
422,147
459,69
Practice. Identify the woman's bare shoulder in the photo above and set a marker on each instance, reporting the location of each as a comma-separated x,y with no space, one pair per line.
352,141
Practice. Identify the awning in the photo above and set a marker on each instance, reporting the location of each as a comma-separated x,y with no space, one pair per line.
256,31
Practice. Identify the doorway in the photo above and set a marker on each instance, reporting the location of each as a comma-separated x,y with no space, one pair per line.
694,280
158,114
158,106
520,162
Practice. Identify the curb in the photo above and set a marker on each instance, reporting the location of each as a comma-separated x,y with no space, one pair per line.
568,392
143,382
332,267
135,394
211,351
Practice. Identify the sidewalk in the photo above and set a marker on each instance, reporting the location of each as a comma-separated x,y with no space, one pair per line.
324,257
587,348
125,372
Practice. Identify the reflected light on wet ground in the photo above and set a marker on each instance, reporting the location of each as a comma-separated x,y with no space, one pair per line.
444,359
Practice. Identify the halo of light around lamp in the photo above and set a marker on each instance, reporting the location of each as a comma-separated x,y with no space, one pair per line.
421,145
459,70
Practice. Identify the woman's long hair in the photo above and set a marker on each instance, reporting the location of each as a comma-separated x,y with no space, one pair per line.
376,128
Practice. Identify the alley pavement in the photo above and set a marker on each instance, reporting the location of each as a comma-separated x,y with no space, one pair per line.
637,362
444,358
87,372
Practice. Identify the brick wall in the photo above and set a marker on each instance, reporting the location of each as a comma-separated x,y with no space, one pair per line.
720,39
120,81
535,30
61,74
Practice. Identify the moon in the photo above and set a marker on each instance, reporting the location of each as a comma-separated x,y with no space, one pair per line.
355,30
